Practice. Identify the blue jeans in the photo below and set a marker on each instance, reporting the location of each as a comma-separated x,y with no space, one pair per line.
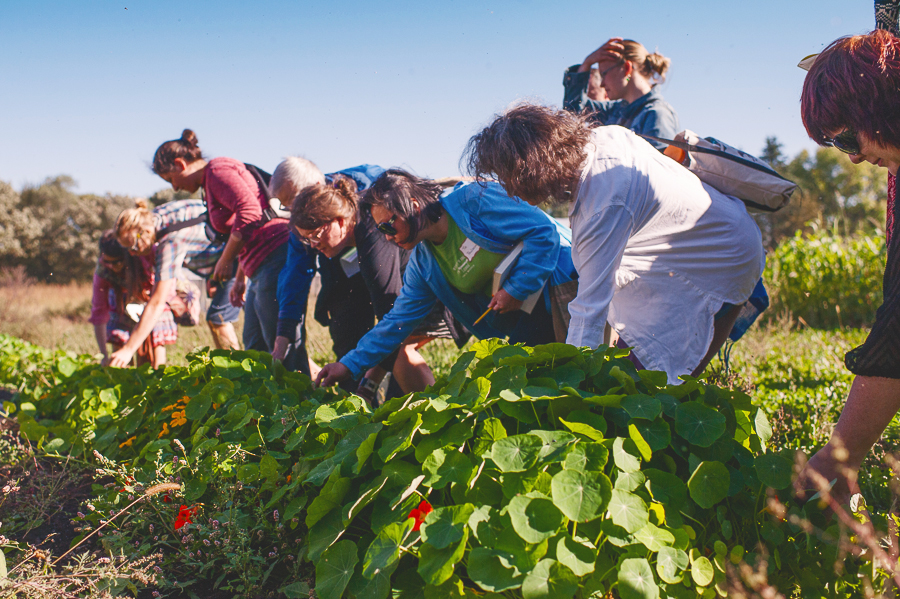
261,305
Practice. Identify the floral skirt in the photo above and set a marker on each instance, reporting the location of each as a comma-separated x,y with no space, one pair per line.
119,327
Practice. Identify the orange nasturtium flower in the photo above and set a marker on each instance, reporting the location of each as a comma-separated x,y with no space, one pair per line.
164,431
127,443
172,407
184,516
419,513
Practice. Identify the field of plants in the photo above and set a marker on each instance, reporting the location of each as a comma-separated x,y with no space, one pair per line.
524,472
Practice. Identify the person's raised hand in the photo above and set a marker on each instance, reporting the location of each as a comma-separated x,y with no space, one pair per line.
503,302
331,374
605,56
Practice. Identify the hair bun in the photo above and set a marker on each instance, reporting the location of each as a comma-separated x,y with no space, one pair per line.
657,63
141,203
189,137
345,186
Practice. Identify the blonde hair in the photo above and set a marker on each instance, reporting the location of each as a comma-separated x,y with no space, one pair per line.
139,220
318,205
647,64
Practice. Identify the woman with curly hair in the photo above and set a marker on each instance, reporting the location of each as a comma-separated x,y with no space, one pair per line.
847,102
667,260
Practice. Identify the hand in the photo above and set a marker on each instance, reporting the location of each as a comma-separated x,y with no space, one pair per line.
222,271
503,302
237,292
605,56
828,464
331,374
280,349
105,360
121,358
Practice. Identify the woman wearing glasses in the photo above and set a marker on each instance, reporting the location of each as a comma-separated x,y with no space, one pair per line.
238,208
456,242
329,218
121,279
174,235
630,75
847,103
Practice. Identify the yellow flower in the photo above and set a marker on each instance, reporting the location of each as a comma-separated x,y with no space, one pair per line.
184,399
178,422
127,443
215,406
177,415
164,431
172,407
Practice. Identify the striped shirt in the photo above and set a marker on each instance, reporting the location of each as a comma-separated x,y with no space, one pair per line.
188,247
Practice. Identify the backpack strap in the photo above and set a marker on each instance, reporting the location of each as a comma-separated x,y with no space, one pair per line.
262,180
197,220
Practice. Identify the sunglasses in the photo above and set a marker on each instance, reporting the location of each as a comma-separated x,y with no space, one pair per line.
845,141
315,236
387,227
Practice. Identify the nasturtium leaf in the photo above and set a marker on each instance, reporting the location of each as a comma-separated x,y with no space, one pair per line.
642,446
709,484
489,432
625,455
670,562
487,525
702,571
517,453
66,367
445,467
534,393
699,424
581,496
654,538
580,428
636,580
554,444
436,565
509,378
198,407
774,470
642,406
446,525
351,510
493,570
666,488
616,535
653,377
248,473
579,557
585,457
452,588
384,550
669,404
628,511
535,519
549,580
331,497
268,468
656,433
568,376
401,440
762,426
377,587
629,481
335,569
337,417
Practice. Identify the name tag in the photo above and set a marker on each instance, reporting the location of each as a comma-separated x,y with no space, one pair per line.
468,249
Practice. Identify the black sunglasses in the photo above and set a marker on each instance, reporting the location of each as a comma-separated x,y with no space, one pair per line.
845,141
387,227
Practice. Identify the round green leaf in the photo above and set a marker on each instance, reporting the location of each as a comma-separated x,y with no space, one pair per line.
198,407
625,455
436,565
581,496
656,433
642,406
493,570
636,580
586,457
549,580
554,444
443,467
702,571
669,563
709,483
665,487
579,557
628,511
446,525
774,470
384,551
534,519
335,569
654,538
517,453
629,481
699,424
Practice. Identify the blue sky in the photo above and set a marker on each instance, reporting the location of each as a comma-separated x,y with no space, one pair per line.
91,88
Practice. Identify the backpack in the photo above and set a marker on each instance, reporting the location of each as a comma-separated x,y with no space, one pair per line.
730,171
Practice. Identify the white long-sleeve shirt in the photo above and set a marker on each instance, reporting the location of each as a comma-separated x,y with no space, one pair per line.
657,252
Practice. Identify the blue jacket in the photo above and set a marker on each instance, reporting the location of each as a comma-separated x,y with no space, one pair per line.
650,114
300,267
490,218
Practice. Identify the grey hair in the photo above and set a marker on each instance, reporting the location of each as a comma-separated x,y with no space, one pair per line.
292,176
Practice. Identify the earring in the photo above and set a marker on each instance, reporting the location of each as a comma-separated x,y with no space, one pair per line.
627,79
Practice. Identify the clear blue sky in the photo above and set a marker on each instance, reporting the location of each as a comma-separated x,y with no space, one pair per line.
90,89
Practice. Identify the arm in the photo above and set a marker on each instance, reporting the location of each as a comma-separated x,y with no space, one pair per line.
223,266
597,254
380,263
293,293
239,289
575,81
100,336
152,312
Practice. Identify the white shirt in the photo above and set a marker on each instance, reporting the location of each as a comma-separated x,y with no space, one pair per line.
657,253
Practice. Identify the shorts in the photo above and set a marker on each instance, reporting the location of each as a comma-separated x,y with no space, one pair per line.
220,310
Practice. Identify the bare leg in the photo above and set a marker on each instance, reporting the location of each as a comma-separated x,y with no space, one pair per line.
224,336
411,370
721,330
159,355
313,369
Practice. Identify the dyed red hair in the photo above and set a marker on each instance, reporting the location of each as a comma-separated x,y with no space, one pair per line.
855,84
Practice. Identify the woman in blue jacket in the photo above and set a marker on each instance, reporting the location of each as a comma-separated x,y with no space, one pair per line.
457,241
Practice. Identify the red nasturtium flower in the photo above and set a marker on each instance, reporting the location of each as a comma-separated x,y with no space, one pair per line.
419,513
184,516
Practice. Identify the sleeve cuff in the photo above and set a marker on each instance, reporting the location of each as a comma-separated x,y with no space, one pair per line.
287,327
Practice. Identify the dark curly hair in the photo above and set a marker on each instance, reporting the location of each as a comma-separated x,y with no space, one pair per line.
536,152
395,189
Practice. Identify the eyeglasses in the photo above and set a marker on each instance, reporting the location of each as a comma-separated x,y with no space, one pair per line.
387,227
315,236
137,240
607,70
845,141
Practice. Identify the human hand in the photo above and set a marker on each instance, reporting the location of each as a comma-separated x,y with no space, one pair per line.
105,360
237,293
331,374
121,358
827,472
604,56
222,271
503,302
280,349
